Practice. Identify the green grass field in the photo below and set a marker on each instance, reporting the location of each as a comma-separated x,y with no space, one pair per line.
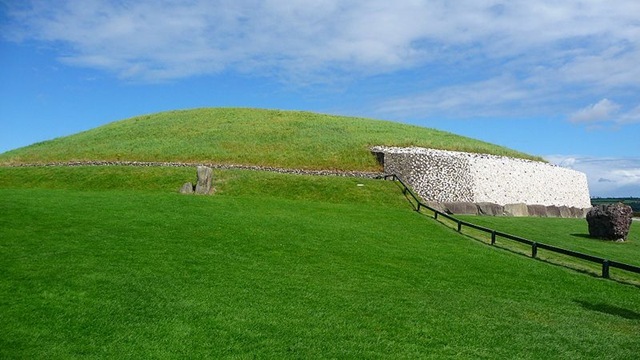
289,139
276,266
111,262
572,234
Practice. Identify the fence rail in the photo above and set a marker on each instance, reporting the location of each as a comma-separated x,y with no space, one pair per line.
605,263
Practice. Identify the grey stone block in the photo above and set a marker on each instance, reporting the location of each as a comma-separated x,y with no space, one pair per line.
553,211
487,208
461,208
516,209
537,210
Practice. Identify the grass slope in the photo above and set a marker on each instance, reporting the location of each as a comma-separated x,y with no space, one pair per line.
134,274
275,266
289,139
572,234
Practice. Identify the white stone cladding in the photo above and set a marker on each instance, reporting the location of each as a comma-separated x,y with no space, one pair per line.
453,176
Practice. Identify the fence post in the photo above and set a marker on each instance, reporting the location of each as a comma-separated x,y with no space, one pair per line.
534,250
493,237
435,215
418,209
459,225
605,269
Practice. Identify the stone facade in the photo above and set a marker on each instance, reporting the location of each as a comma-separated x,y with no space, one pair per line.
451,176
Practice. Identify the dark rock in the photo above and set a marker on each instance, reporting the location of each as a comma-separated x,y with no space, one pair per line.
487,208
610,222
553,211
519,209
461,208
205,177
187,188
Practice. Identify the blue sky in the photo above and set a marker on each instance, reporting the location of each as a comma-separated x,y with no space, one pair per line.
558,79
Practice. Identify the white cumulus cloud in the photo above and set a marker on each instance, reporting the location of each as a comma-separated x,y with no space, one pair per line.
528,58
603,110
615,177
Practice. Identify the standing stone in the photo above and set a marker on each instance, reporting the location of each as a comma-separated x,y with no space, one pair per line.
610,222
205,177
187,188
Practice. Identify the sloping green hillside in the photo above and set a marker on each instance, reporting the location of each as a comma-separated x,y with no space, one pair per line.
293,272
291,139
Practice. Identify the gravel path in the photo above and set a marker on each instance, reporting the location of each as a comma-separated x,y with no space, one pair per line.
357,174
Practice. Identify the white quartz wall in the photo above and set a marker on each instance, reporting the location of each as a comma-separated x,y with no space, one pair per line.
451,176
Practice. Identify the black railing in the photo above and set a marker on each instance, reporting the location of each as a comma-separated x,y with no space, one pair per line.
605,263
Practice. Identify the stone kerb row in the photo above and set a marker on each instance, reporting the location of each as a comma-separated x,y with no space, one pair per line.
456,177
340,173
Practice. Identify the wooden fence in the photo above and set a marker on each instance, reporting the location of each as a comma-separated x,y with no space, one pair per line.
535,246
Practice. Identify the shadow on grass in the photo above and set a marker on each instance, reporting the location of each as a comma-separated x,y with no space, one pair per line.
610,310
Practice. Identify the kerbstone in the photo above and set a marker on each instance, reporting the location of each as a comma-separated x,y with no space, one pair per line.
516,209
461,208
491,209
537,210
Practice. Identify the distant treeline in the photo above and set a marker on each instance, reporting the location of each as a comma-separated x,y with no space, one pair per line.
634,202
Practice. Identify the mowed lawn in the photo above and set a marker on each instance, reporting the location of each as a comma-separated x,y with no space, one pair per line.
292,271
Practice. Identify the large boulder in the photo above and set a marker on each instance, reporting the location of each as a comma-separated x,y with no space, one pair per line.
610,222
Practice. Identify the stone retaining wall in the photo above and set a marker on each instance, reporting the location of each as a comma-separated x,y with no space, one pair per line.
450,176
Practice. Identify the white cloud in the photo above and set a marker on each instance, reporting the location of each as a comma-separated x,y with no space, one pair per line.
606,111
632,116
525,58
173,39
472,99
603,110
616,177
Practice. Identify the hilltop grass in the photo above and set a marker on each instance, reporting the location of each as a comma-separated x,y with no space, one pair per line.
290,139
148,274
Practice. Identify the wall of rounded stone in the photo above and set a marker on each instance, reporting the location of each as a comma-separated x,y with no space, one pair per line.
452,176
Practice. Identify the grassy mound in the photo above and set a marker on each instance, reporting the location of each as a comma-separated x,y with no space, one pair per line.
290,139
98,262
